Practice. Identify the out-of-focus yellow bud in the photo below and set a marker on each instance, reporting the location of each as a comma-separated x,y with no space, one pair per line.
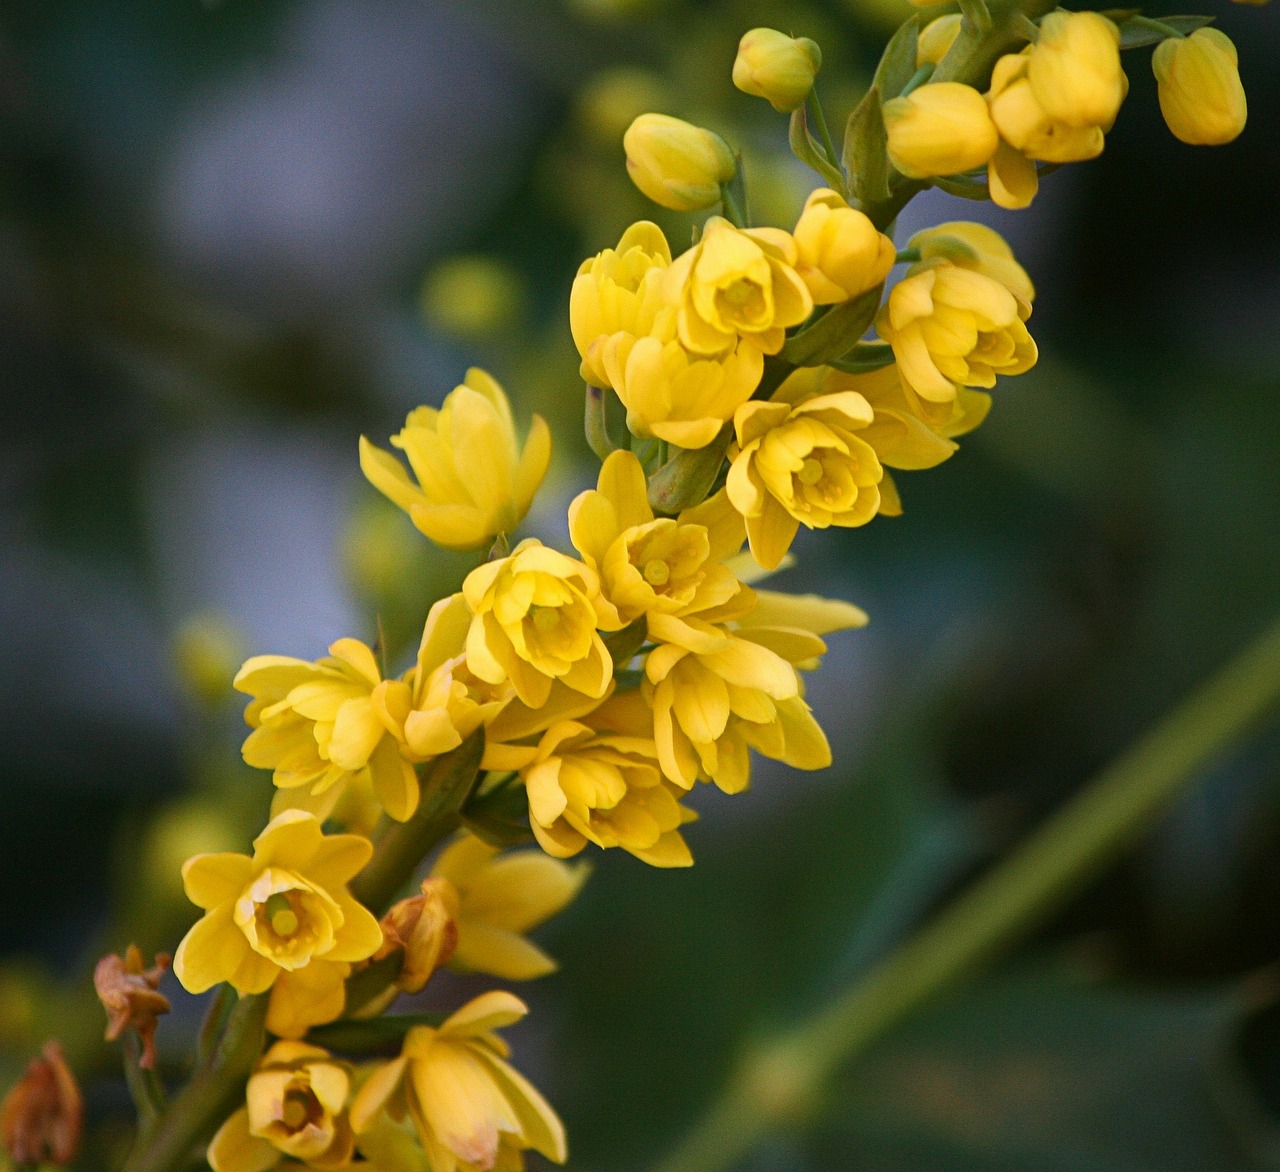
473,296
207,651
474,480
936,38
979,249
841,253
676,164
613,99
939,129
617,295
776,67
1074,69
1201,97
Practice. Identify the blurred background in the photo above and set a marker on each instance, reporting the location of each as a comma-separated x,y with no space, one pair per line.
236,235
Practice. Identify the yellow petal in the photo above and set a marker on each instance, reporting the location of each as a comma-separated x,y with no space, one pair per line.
233,1149
489,1011
210,951
483,948
376,1093
210,880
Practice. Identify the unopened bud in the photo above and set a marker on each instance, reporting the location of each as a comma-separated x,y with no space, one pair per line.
1074,69
42,1118
1201,96
939,129
776,67
129,994
936,39
675,163
423,927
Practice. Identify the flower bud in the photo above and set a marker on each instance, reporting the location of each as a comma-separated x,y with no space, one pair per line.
841,253
423,928
129,993
776,67
42,1118
676,164
936,38
1075,70
939,129
1201,97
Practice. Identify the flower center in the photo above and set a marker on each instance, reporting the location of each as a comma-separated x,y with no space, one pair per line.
281,913
740,292
657,572
545,619
299,1109
810,472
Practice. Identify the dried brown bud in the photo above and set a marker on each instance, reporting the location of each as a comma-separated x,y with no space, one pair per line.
42,1117
423,926
128,993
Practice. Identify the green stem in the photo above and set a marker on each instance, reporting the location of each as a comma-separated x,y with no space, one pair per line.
446,782
918,78
214,1020
144,1088
729,205
820,121
780,1082
212,1094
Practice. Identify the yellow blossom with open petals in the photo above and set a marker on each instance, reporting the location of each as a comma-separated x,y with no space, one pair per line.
941,128
472,430
281,919
979,248
534,618
318,725
802,464
730,687
954,327
1201,95
296,1110
647,565
471,1108
598,780
737,284
500,896
840,252
617,295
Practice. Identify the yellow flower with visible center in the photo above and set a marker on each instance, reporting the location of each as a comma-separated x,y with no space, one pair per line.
471,1108
734,687
840,253
320,725
737,283
801,463
534,618
954,327
281,920
617,294
599,781
1201,96
647,565
296,1110
450,503
936,38
776,67
675,395
676,164
941,128
498,898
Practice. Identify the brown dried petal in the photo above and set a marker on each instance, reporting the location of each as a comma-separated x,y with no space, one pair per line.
42,1118
423,927
128,993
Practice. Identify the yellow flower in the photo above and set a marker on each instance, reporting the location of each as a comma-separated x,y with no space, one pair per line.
617,294
679,397
776,67
658,567
737,283
954,327
470,1107
936,39
599,781
319,725
1074,69
281,919
802,464
676,164
840,252
296,1109
730,688
1201,96
979,249
473,430
939,129
498,898
534,617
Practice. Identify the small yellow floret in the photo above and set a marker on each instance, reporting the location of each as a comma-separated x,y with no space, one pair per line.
1201,96
776,67
676,164
840,253
942,128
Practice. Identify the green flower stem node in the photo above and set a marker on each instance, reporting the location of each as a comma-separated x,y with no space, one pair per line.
835,334
446,781
216,1088
378,1035
780,1083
